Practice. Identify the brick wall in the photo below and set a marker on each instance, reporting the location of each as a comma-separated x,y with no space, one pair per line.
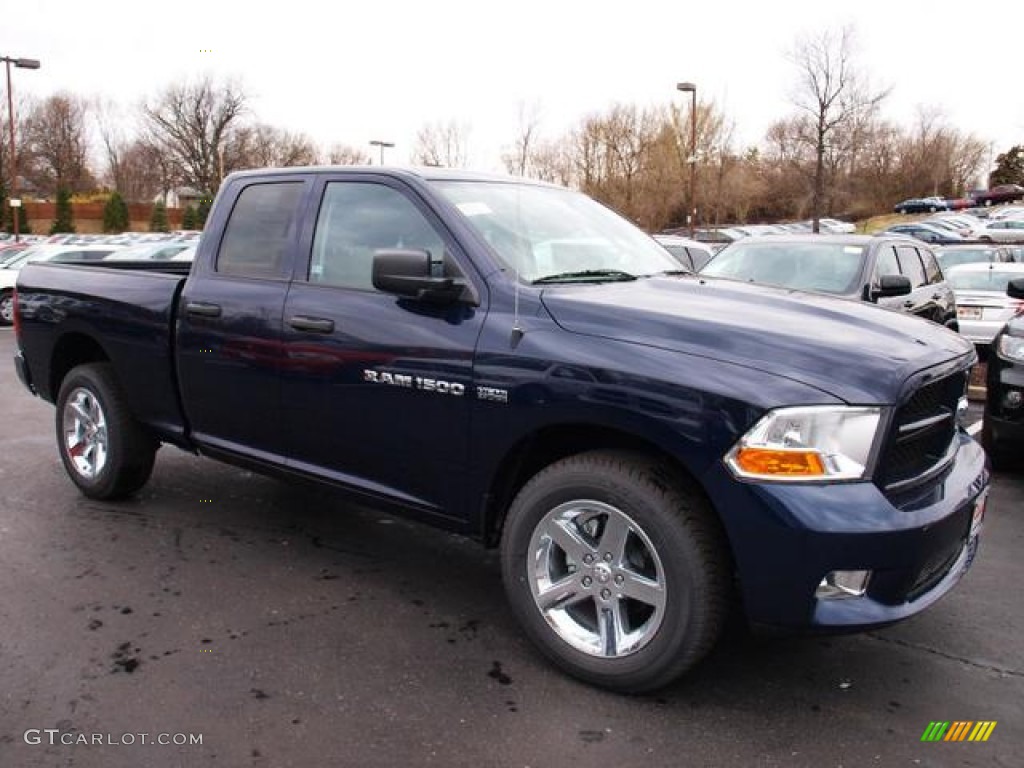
88,217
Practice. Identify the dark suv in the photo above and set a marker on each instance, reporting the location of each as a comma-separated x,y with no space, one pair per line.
1003,430
895,272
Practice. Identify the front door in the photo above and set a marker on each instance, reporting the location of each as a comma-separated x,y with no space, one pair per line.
376,390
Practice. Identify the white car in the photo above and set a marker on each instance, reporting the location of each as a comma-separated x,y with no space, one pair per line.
982,306
158,251
1007,230
44,252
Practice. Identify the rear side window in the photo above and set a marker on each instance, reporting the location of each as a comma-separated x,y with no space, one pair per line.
910,265
259,229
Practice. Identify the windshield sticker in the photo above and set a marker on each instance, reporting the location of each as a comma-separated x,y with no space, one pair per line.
474,209
852,249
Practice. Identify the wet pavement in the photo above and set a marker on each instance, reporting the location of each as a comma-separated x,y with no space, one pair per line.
286,628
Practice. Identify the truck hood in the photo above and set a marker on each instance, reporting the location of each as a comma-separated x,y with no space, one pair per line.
849,349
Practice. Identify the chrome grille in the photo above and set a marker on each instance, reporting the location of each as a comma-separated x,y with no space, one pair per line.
921,437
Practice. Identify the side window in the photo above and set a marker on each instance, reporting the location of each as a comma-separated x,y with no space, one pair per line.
910,265
358,218
932,272
886,264
258,230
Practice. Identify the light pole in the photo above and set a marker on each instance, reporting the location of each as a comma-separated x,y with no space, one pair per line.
15,200
382,145
691,216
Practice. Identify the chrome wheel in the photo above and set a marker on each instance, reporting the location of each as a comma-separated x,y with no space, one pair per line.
7,309
85,433
596,578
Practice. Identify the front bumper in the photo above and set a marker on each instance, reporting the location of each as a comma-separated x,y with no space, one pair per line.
787,538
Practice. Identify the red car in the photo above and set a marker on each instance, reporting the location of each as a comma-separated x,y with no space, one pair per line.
1004,193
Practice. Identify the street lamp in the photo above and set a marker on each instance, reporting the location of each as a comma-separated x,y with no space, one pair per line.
15,201
691,216
382,145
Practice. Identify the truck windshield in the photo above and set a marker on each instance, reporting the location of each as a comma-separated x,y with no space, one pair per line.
555,235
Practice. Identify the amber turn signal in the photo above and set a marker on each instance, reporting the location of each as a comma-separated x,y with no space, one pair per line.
785,463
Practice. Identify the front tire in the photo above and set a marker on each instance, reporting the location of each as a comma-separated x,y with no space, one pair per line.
617,569
105,451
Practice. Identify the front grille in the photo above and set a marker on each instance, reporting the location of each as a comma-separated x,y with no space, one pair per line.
922,433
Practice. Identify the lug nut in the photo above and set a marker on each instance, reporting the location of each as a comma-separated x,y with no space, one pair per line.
607,557
588,559
587,581
618,578
605,594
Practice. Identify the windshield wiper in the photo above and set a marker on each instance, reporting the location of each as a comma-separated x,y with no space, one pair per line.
587,275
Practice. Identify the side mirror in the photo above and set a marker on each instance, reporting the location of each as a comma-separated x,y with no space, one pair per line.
1015,288
414,275
891,285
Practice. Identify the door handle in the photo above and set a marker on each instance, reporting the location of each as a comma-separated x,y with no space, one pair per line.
936,296
202,309
312,324
908,304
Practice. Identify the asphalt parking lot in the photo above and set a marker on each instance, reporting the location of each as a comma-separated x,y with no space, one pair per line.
287,629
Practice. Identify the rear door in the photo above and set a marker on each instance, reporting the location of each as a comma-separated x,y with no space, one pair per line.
229,327
376,390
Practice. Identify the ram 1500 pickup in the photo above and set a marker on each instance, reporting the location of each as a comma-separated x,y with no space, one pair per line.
512,361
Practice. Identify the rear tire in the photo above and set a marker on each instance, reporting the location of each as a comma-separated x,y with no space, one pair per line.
105,451
617,569
6,308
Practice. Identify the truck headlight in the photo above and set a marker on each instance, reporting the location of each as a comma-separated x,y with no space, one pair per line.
809,443
1011,348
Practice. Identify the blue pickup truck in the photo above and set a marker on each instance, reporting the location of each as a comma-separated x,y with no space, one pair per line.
514,362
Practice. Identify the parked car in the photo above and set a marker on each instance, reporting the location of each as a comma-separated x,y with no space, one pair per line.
158,251
837,227
42,252
982,305
1010,230
921,205
963,225
893,272
954,255
647,449
1003,193
1002,431
925,232
717,236
690,253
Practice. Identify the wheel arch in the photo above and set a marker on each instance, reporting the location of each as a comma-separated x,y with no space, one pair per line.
71,350
551,443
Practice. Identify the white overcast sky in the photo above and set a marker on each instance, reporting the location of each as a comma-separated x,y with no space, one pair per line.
352,71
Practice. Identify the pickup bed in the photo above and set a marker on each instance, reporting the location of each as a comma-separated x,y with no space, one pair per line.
514,362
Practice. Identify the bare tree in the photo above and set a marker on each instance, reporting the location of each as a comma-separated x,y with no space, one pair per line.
192,123
344,154
442,144
265,146
56,137
518,159
831,92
